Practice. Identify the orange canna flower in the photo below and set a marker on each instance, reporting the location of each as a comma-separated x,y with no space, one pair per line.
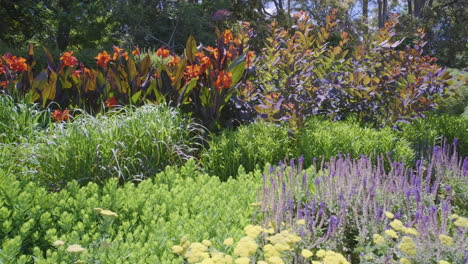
3,84
61,116
227,36
249,58
125,55
2,69
174,60
136,51
224,81
164,53
192,71
117,49
17,64
77,73
111,102
102,59
68,59
214,51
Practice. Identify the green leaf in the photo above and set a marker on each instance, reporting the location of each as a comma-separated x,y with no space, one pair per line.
237,69
136,97
50,89
191,49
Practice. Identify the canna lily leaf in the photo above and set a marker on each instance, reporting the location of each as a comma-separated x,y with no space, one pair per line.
50,88
191,49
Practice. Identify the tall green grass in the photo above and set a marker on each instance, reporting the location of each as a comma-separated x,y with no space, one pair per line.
131,144
20,121
426,132
250,146
326,139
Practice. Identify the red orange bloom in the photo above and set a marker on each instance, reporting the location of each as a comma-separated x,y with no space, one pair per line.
224,80
125,55
3,84
102,59
68,59
136,51
192,71
2,69
249,58
227,36
61,116
164,53
17,64
77,73
111,102
174,60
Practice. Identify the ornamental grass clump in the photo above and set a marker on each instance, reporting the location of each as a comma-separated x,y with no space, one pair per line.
340,204
130,144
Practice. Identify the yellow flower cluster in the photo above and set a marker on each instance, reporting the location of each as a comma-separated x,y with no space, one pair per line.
378,239
460,221
407,245
330,257
391,233
277,247
446,240
397,225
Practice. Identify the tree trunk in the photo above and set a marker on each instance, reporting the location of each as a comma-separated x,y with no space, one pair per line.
380,18
410,7
63,32
365,15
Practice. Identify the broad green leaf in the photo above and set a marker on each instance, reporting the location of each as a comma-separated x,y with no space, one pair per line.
191,49
50,89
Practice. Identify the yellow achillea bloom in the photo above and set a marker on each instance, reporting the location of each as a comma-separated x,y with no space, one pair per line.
407,245
306,253
243,260
246,247
397,225
177,249
443,262
405,261
253,231
461,222
410,231
446,240
332,257
389,215
206,243
228,242
301,222
391,233
378,239
197,252
275,260
270,251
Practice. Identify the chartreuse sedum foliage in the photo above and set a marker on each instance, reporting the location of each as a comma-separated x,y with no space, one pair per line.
121,224
323,138
132,144
426,132
259,245
302,72
249,146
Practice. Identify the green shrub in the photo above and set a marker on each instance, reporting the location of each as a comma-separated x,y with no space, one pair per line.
424,133
255,144
321,138
131,145
19,121
457,103
151,217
